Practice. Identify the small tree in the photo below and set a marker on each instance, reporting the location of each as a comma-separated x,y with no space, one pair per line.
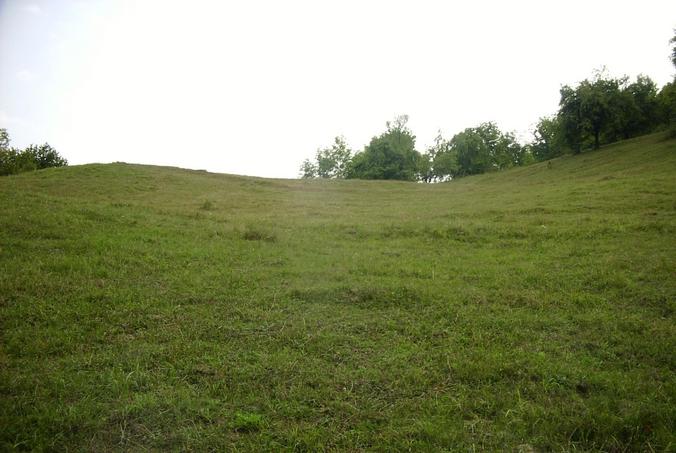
547,140
673,49
330,162
443,160
4,139
308,170
45,156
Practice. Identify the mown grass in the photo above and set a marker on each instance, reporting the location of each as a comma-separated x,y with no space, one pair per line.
164,309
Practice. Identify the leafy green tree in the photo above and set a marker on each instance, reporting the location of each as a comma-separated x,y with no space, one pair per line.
9,160
425,168
636,108
472,151
644,91
570,118
44,156
34,157
547,139
673,49
330,162
4,139
600,103
666,100
606,109
486,148
391,155
443,160
308,169
333,162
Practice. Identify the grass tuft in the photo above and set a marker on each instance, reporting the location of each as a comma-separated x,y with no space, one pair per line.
246,422
258,233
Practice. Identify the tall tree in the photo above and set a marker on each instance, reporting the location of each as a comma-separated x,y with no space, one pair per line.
597,99
570,118
390,155
637,107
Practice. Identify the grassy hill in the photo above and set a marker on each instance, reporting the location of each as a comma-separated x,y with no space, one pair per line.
157,308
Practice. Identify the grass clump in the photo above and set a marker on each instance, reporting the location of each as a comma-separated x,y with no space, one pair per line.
258,233
246,422
207,206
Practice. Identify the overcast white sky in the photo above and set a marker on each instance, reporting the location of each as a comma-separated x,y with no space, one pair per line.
254,87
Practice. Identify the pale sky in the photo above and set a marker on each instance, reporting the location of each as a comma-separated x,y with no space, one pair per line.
254,87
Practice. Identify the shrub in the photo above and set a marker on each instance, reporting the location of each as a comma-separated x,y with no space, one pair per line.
34,157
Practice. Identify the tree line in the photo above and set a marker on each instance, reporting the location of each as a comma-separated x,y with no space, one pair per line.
33,157
594,112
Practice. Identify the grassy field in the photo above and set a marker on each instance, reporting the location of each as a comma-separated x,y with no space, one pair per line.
151,308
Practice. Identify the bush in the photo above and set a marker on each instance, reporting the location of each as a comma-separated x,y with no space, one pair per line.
34,157
13,161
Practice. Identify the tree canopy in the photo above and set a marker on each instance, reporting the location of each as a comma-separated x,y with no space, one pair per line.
591,113
330,162
390,155
34,157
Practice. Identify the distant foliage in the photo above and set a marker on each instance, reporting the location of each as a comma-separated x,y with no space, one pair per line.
673,49
440,161
390,155
667,102
547,139
485,148
34,157
330,162
605,109
592,113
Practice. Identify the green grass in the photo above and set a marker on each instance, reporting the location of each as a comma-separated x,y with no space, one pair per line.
150,308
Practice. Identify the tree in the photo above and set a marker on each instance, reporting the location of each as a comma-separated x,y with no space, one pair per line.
45,156
547,138
667,106
391,155
606,109
330,162
673,49
587,111
425,168
443,160
472,151
667,96
635,110
34,157
4,139
596,104
485,148
308,170
570,118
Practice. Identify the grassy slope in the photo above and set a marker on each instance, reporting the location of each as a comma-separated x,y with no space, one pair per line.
147,307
